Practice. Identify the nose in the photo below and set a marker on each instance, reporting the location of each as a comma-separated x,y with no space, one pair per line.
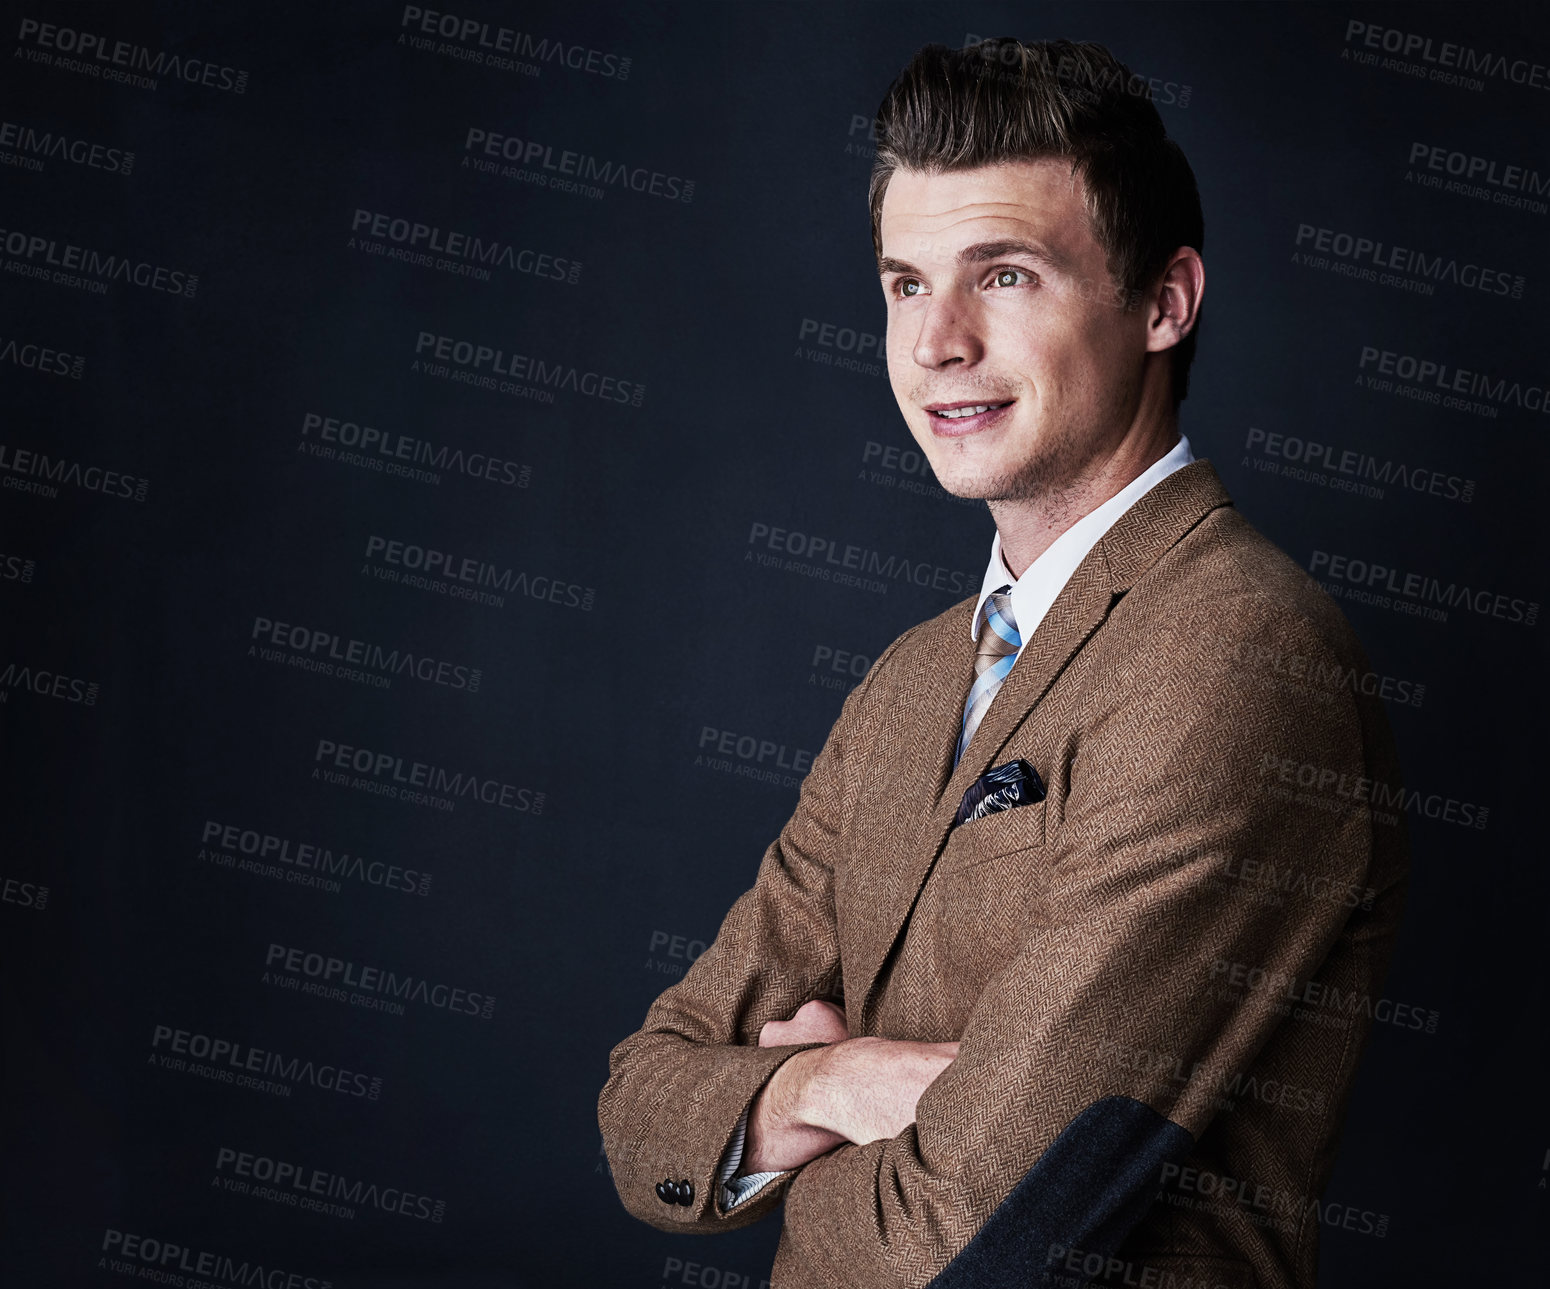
949,333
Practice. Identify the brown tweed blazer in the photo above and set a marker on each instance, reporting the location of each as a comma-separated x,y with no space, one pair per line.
1162,975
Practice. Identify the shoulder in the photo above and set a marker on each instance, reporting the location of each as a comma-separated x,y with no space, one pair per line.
1227,589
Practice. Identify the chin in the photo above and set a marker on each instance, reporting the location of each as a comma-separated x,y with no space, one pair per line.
969,487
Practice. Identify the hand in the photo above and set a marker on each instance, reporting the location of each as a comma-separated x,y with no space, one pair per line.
815,1022
866,1089
777,1136
775,1141
851,1089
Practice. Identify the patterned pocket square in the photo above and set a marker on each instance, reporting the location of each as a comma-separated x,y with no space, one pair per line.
1014,784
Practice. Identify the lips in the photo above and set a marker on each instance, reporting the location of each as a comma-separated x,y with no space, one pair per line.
957,411
953,420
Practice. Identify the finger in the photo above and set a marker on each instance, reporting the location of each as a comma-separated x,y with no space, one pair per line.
825,1017
817,1022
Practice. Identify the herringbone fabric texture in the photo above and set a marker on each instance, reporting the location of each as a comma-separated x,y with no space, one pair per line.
1197,917
997,646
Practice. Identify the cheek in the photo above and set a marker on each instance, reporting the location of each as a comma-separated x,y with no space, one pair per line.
1063,366
901,372
1103,338
1032,347
1068,338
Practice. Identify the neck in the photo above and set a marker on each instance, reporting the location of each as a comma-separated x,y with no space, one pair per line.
1029,526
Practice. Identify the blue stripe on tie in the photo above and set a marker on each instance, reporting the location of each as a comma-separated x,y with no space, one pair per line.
1002,627
992,676
988,679
982,691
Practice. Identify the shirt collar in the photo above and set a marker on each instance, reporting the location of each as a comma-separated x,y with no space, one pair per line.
1034,592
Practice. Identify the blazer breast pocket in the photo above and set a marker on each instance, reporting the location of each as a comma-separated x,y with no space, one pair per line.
990,884
978,841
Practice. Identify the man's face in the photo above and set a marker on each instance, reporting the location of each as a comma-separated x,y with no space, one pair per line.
998,294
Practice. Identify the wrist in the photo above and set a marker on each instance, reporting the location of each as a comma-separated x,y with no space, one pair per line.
781,1133
789,1091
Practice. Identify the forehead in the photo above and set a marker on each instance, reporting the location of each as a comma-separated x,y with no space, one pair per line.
928,215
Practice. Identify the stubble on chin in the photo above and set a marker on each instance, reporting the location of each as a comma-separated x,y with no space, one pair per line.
1044,475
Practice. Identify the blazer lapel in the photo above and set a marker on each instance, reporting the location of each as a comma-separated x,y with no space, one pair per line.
1081,605
937,683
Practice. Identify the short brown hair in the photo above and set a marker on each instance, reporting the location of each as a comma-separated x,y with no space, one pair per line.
1002,100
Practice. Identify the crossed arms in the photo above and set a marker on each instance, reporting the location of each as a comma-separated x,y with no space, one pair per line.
899,1154
850,1089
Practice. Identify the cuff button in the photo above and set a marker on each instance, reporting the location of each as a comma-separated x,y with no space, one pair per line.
685,1191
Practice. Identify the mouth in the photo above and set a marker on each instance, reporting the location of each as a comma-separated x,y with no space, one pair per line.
953,419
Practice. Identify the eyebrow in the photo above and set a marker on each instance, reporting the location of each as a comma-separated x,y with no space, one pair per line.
982,252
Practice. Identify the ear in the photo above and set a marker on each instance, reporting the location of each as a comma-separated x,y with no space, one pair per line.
1179,295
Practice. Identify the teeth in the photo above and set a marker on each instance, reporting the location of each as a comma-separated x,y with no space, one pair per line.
956,412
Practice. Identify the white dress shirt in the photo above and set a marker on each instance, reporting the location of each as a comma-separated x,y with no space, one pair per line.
1032,594
1046,577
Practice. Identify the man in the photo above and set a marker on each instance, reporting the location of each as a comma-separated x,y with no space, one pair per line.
1048,1040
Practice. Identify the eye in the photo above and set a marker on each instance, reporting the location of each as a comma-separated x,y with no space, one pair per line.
1009,276
908,287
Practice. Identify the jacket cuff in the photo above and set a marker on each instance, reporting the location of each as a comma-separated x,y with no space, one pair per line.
672,1178
735,1189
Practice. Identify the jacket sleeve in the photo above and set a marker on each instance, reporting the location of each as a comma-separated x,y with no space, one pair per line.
678,1086
1045,1130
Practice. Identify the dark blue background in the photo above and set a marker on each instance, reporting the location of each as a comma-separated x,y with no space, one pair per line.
703,303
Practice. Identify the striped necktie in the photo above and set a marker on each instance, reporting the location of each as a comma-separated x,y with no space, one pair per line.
999,642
